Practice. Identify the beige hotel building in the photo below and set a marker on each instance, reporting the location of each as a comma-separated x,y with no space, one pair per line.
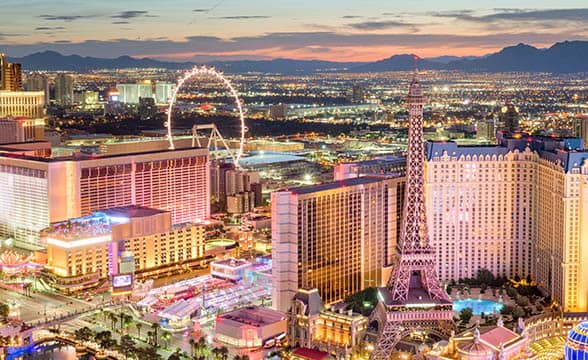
517,208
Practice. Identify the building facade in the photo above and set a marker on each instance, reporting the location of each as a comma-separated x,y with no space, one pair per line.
18,130
10,75
336,329
516,208
83,251
333,237
38,82
29,104
37,191
64,89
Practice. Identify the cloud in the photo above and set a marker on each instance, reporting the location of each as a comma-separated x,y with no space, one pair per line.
513,15
243,17
381,25
120,22
201,10
541,15
45,28
67,18
131,14
351,17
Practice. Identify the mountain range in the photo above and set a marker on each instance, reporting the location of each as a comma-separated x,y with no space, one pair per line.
562,57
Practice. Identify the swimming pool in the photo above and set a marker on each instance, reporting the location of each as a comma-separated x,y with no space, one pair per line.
478,306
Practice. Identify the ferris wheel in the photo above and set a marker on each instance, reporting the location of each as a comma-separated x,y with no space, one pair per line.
197,71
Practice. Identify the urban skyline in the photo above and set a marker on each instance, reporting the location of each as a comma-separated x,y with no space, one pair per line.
409,208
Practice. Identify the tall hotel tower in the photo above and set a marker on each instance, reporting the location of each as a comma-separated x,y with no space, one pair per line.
413,300
334,237
36,191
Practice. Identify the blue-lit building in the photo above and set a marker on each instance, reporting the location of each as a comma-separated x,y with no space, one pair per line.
577,342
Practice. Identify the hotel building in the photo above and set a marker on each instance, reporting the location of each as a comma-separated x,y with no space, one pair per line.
18,130
29,104
85,250
336,330
519,207
334,237
37,191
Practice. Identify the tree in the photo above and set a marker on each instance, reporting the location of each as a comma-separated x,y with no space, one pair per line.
127,346
127,321
518,312
148,353
84,334
484,276
465,315
104,338
138,325
192,346
224,352
113,320
165,336
363,302
483,288
522,301
175,356
4,310
155,327
201,346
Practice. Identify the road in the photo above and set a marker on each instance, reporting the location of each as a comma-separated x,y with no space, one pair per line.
41,306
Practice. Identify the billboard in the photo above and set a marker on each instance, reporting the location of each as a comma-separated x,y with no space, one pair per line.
121,281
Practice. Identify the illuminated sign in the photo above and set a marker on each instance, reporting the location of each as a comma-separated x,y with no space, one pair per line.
119,281
78,243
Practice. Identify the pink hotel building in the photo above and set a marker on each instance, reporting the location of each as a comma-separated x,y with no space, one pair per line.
36,191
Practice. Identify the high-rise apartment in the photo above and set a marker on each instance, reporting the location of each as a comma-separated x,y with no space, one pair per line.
64,85
333,237
37,191
38,82
10,75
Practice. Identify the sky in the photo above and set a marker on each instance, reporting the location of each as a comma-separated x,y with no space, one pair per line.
339,30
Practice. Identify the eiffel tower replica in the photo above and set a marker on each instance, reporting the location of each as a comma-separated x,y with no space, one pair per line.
413,301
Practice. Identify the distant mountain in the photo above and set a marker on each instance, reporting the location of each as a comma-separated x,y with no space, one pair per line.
563,57
402,62
446,59
54,61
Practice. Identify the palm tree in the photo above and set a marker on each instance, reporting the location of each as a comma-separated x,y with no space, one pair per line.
155,327
138,325
216,353
192,344
113,320
128,321
201,345
224,352
165,336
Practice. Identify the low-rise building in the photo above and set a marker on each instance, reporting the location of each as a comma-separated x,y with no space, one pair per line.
250,327
336,330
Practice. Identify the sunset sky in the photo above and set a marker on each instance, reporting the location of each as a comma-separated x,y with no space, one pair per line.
342,30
